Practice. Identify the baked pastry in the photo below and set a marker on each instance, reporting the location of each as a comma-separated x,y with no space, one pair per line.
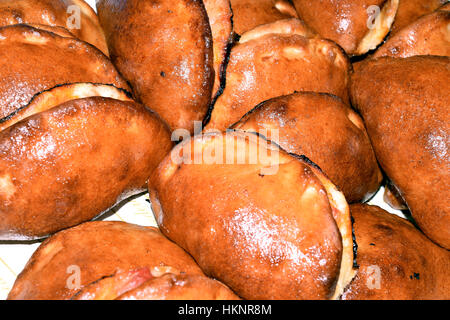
356,25
267,224
285,26
220,18
429,35
396,261
74,15
271,65
72,259
248,14
165,51
33,60
87,154
327,131
411,10
404,103
249,210
60,94
156,284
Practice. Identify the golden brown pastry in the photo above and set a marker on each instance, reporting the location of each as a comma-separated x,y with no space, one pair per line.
220,19
356,25
272,65
396,261
411,10
429,35
165,51
321,127
60,94
70,163
33,60
285,26
72,259
74,15
267,224
404,103
248,14
156,284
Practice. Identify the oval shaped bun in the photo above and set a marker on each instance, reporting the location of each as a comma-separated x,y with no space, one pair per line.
269,227
87,154
165,51
404,103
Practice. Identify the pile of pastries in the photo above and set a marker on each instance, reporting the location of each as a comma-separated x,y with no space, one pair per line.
260,129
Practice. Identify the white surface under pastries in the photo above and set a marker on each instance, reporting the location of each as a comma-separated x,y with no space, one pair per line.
13,257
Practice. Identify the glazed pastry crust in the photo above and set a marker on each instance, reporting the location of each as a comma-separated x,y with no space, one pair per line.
321,127
56,13
180,287
165,51
80,153
404,103
411,10
295,63
347,21
429,35
98,249
262,244
411,267
33,60
248,14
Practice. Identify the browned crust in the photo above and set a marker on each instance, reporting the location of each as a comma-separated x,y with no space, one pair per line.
294,63
429,35
180,287
396,261
249,14
327,131
346,21
404,103
245,234
33,60
411,10
98,249
285,26
221,21
165,51
55,13
79,153
62,93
